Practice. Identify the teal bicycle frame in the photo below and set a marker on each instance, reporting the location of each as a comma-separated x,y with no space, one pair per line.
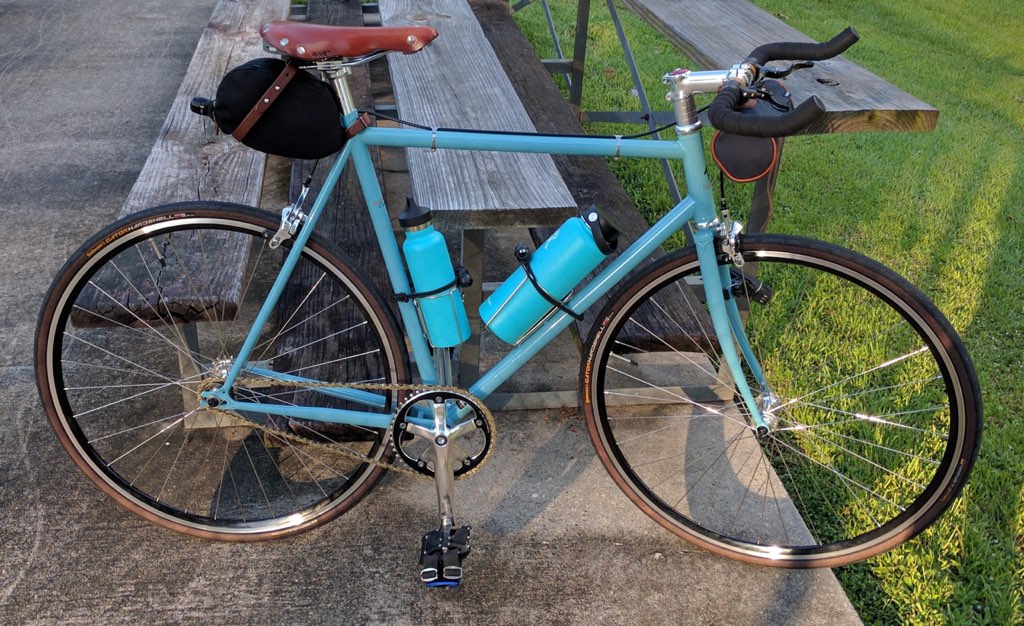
697,208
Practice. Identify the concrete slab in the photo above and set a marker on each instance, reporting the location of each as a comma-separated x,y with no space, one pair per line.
554,542
84,88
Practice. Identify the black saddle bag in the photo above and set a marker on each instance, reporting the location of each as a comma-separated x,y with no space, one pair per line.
274,107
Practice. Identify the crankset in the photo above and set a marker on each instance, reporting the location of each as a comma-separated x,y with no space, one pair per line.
467,434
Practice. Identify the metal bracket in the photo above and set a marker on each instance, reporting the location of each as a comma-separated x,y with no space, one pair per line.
327,66
730,231
291,220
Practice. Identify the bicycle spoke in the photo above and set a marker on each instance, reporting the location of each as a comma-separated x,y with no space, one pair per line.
153,317
873,419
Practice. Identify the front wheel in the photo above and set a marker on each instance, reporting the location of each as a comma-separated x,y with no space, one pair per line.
872,400
152,311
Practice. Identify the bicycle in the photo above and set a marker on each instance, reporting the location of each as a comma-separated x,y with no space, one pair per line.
850,415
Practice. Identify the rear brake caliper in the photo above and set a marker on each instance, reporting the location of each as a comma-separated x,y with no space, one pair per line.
291,219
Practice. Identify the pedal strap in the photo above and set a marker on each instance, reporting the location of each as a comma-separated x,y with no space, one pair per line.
441,557
291,68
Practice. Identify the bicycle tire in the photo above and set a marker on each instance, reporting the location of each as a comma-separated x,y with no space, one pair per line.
149,311
876,415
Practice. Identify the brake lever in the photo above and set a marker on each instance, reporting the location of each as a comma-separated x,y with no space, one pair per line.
760,93
782,72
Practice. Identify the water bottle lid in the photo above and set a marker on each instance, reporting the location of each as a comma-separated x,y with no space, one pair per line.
606,236
414,215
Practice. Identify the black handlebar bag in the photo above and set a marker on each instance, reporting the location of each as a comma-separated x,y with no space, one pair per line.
275,107
745,159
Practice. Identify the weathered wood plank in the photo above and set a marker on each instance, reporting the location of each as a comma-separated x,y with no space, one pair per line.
457,82
588,178
345,220
143,286
717,34
190,160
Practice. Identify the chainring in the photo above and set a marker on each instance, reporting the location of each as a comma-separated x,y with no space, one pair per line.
274,429
475,430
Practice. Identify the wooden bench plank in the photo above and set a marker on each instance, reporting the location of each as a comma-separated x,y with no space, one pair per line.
224,169
192,161
457,82
717,34
588,178
345,221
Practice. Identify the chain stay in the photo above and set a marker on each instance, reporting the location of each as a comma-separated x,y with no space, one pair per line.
337,449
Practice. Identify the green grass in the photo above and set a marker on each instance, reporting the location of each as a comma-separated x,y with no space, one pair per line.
945,209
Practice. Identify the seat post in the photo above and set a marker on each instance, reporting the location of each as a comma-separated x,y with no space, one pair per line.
339,80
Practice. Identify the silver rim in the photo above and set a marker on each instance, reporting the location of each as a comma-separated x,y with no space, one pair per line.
756,483
306,483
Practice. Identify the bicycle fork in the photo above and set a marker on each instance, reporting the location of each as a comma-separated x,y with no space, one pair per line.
728,326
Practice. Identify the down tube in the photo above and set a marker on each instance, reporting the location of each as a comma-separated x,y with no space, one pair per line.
590,293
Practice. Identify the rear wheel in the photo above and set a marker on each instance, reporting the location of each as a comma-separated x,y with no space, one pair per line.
152,311
874,407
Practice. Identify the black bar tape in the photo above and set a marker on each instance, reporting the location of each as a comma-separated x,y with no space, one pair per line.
723,116
801,51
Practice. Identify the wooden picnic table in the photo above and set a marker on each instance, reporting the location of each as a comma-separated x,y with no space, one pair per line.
457,82
472,77
482,75
716,34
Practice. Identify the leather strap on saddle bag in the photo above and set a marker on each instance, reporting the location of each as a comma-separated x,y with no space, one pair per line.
266,100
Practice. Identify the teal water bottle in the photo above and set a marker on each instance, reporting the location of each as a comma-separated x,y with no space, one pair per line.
437,295
559,264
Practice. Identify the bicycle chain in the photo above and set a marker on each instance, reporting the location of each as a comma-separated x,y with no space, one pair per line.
339,449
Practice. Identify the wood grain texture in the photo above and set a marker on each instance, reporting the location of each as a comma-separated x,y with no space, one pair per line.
194,278
345,220
716,34
191,160
457,82
589,179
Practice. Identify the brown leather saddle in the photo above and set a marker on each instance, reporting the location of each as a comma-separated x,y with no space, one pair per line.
316,42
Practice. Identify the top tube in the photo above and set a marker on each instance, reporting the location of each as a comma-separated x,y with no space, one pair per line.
527,143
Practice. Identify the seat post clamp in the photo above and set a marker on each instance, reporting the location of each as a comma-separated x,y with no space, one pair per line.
362,123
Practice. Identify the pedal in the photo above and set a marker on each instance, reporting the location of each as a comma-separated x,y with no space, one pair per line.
746,286
441,555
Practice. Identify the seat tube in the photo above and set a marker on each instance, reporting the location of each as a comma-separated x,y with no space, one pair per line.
393,262
720,319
